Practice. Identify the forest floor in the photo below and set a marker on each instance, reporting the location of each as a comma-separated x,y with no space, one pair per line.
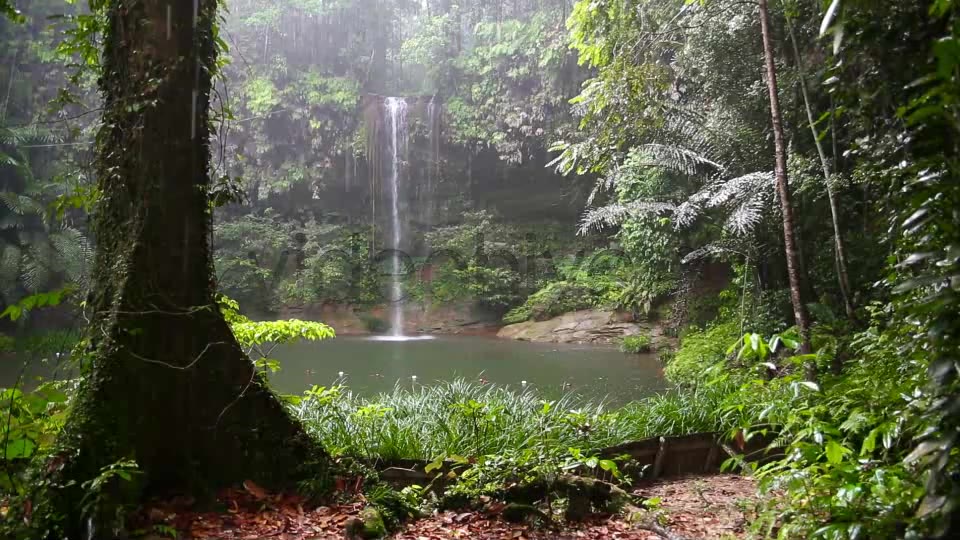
694,508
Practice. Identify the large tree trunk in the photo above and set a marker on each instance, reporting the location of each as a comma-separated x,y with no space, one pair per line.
783,189
169,385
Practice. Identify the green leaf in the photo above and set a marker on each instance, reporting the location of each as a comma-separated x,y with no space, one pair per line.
835,452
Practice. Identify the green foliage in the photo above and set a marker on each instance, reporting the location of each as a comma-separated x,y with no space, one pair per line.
599,280
555,299
48,344
493,288
374,324
636,344
251,333
31,420
260,338
11,12
106,499
843,472
699,350
261,96
461,418
339,94
46,299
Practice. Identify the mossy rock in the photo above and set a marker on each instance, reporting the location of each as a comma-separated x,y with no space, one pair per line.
368,525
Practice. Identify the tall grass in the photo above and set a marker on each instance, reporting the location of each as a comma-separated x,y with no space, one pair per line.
466,418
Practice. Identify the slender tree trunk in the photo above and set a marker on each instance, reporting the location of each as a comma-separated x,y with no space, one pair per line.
792,249
169,386
840,252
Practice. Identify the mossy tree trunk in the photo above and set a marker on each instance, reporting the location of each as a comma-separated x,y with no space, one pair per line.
169,385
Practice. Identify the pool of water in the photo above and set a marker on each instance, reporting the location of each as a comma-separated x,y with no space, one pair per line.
374,365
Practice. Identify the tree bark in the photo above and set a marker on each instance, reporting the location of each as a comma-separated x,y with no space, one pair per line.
169,386
840,251
783,189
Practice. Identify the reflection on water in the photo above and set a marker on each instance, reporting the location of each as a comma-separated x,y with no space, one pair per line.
400,338
372,365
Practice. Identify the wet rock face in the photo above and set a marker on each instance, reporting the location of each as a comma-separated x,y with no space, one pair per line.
585,326
458,318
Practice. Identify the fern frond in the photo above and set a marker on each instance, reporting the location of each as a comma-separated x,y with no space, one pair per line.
748,186
20,204
613,215
17,136
11,221
676,158
713,249
745,217
8,160
74,254
37,267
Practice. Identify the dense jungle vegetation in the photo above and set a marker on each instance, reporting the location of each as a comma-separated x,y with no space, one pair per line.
186,185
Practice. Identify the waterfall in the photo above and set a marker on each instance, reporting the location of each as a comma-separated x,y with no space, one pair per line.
433,166
397,113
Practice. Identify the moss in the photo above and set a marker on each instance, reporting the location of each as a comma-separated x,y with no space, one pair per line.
368,526
584,495
520,513
551,301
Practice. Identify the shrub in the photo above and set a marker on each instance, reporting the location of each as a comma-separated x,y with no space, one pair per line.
7,343
374,324
555,299
636,344
699,349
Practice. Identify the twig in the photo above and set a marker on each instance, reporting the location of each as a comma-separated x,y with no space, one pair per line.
662,532
172,366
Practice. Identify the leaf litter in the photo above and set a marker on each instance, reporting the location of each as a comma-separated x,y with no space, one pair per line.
694,508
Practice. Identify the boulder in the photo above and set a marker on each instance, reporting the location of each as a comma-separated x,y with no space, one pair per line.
585,326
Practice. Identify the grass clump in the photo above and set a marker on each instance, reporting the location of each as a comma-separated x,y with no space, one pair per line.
639,344
465,418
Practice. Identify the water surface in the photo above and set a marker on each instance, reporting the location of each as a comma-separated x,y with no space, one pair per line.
371,366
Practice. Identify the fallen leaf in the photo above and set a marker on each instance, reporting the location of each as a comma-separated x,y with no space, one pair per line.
258,492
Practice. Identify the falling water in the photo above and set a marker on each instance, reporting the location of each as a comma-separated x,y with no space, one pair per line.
397,112
434,164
